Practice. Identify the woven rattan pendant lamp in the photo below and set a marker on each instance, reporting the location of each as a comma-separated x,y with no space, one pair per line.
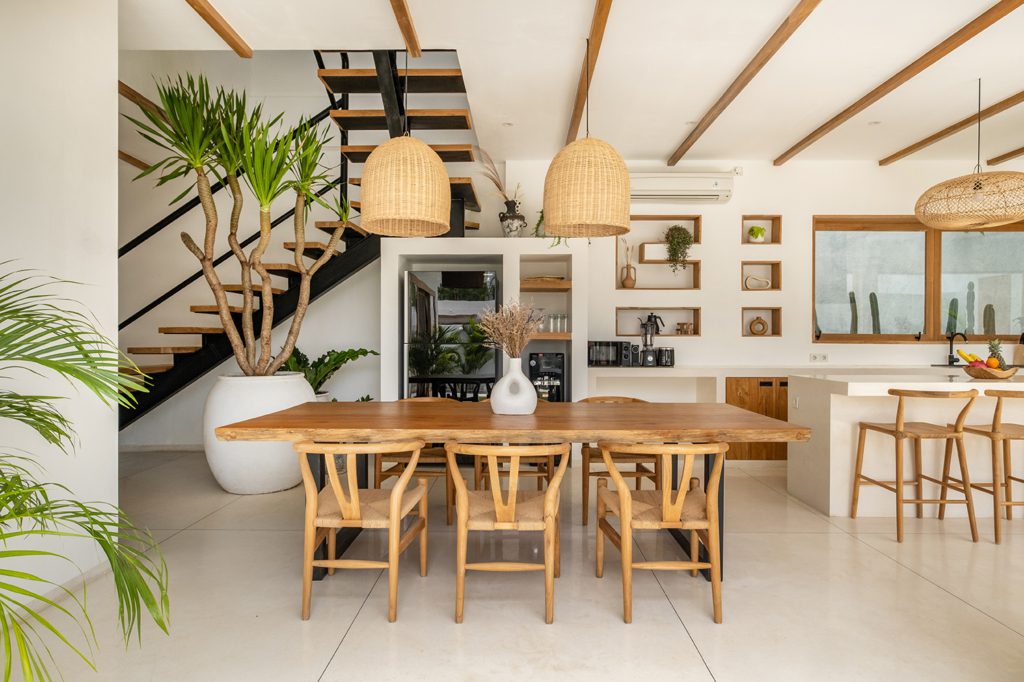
586,190
405,191
975,201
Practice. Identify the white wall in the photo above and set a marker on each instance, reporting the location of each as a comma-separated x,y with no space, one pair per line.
58,182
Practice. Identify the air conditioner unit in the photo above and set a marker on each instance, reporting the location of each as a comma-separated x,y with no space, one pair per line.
703,188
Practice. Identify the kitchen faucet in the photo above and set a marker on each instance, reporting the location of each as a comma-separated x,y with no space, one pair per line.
952,360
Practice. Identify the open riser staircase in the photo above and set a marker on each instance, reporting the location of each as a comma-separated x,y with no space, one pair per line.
193,350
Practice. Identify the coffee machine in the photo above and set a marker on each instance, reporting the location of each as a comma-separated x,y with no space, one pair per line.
547,374
649,328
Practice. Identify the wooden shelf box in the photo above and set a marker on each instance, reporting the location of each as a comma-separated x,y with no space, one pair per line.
770,270
627,324
773,316
771,223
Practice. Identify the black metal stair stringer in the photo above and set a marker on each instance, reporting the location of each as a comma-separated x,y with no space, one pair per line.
216,348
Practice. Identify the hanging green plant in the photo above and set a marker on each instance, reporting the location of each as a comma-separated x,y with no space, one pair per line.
679,241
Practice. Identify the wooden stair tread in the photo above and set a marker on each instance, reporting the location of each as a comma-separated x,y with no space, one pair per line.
146,369
281,267
237,289
449,153
237,309
462,188
419,119
341,81
191,330
472,225
318,247
161,350
331,225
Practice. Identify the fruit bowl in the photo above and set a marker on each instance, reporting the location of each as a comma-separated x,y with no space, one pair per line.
989,373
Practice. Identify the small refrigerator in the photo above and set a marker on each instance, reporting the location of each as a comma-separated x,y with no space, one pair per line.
444,353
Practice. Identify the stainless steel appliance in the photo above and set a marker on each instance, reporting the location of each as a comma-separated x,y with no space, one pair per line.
547,373
609,354
650,328
443,348
666,356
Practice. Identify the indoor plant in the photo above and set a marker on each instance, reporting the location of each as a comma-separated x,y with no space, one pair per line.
755,234
318,372
41,332
678,241
475,353
510,329
216,133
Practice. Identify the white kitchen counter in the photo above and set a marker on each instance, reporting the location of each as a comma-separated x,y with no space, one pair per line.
820,471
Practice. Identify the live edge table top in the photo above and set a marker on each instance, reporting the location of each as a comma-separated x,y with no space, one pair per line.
474,422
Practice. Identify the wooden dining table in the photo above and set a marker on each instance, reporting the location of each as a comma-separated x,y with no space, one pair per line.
474,422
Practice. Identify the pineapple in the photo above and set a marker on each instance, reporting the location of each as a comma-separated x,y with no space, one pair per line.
995,352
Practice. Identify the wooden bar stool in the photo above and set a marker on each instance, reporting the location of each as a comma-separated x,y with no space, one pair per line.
917,432
646,466
690,509
496,509
1002,435
335,507
433,463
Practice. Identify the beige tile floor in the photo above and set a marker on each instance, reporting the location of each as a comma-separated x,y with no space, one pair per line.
806,598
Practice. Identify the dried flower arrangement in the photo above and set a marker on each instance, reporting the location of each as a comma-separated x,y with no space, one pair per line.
490,172
628,250
511,327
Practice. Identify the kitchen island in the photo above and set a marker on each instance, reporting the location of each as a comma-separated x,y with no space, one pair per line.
820,471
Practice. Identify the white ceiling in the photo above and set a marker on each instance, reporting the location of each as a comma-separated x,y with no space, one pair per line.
663,63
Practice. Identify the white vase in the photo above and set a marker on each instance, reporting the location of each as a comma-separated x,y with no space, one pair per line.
250,467
513,393
324,397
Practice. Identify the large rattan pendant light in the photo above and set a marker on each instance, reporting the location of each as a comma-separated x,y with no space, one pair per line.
405,191
975,201
586,190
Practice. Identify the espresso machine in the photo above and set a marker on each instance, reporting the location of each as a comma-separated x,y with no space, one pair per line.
649,328
547,374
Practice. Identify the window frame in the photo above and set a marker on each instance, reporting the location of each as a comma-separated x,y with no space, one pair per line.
933,332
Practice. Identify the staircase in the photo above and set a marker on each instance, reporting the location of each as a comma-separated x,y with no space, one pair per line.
193,350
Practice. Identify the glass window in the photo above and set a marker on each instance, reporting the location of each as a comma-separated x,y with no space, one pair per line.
869,282
982,283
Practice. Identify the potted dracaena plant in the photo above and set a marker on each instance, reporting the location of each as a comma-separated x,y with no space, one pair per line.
216,133
47,335
318,372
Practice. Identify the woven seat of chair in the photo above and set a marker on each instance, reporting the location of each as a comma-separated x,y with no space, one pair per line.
374,506
529,510
647,506
913,429
1010,431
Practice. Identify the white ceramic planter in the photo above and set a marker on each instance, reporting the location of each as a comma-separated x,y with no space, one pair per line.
248,467
513,393
324,397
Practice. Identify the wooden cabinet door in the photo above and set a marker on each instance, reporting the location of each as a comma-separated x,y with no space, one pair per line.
763,395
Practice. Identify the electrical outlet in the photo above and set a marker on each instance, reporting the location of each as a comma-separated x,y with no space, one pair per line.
819,357
796,403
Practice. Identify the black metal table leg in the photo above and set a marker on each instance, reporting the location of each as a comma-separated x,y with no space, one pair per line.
345,535
683,538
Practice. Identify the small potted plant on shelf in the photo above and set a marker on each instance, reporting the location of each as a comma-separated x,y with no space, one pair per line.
756,234
319,371
678,240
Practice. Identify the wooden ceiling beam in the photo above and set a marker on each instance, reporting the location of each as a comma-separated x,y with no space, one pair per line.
788,27
1012,154
963,124
408,29
220,25
139,100
597,25
129,159
968,31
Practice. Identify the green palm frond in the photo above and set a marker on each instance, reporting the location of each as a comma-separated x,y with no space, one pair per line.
307,162
266,159
41,330
232,115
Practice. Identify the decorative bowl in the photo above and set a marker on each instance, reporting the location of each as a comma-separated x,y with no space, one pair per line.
989,373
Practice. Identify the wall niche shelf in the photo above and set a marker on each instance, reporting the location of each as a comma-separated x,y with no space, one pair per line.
650,254
771,223
548,286
627,324
770,270
772,318
552,336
